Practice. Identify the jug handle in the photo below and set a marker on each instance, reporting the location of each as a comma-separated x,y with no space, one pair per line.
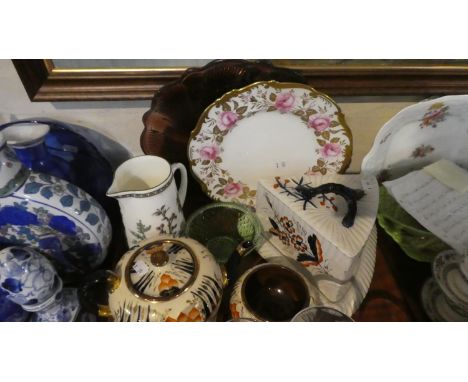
183,181
96,282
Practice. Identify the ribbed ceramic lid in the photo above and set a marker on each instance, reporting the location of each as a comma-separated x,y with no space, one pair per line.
161,270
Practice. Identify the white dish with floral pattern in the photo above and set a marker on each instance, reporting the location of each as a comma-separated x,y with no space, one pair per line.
266,129
419,135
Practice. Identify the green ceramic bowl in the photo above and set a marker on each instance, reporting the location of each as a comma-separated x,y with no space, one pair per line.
417,242
221,227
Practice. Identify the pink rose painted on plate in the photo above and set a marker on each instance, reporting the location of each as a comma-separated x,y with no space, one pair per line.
232,189
227,119
209,152
285,101
331,150
319,122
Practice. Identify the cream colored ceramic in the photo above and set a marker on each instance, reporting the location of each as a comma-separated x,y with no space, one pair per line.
166,279
311,230
149,201
267,129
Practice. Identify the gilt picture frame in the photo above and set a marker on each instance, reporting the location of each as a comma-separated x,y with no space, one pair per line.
44,80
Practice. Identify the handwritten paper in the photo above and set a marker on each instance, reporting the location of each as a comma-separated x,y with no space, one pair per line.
439,208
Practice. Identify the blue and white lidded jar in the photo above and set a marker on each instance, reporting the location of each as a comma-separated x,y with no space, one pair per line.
30,280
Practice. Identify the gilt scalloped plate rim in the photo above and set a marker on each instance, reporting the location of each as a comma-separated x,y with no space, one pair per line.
278,85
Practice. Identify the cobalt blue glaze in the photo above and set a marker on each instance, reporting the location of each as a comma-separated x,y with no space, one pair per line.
69,156
17,216
9,311
37,158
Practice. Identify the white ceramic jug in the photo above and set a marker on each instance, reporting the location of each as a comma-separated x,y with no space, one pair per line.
149,201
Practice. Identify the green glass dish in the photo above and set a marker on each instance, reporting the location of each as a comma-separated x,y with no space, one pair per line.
416,241
222,226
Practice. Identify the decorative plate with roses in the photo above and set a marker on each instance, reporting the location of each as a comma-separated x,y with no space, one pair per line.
267,129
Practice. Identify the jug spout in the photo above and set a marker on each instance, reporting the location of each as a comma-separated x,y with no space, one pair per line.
114,190
139,176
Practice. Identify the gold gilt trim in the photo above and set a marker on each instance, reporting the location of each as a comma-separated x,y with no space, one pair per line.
348,150
146,297
63,71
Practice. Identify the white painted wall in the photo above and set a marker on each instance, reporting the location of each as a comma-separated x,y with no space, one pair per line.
121,120
118,120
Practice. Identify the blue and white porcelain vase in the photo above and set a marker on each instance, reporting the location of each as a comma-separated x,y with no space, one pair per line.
27,141
27,277
52,216
30,280
56,148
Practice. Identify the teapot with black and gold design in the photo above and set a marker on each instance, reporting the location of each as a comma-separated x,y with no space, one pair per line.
163,279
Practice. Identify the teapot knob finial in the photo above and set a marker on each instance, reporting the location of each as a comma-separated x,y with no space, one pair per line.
159,258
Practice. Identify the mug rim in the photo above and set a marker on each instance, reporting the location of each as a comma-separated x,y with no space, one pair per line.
322,307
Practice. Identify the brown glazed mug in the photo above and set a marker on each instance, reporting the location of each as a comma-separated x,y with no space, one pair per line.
269,292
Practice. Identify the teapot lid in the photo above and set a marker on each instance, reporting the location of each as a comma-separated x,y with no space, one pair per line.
161,270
